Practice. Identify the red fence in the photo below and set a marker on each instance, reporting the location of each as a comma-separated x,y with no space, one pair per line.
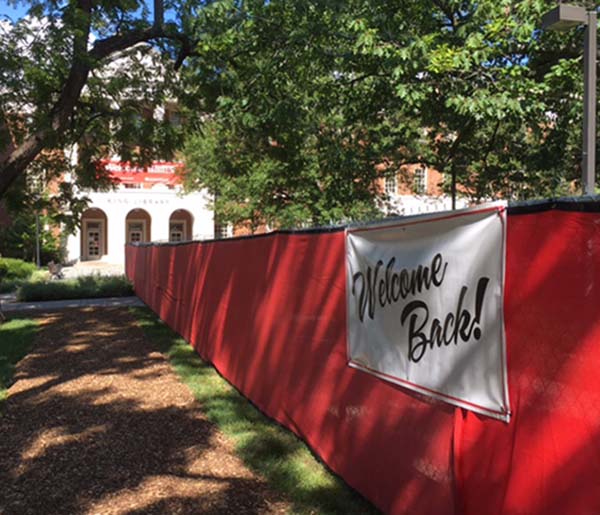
270,314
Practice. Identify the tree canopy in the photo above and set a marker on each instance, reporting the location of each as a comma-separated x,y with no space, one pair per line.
85,73
293,109
302,104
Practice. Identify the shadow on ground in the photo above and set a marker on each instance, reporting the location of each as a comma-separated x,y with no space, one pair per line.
96,421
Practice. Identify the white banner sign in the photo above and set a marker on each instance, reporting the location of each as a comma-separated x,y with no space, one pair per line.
425,306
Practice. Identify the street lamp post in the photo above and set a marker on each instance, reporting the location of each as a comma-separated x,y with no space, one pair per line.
35,188
38,261
562,18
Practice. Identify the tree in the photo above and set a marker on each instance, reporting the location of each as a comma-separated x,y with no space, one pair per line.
499,103
19,239
77,72
304,104
499,100
291,133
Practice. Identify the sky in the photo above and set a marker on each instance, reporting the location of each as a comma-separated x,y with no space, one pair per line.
15,12
11,11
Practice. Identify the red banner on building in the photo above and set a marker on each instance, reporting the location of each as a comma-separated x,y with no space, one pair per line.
159,172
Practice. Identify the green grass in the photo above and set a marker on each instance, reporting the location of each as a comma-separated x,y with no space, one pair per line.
272,451
16,340
89,287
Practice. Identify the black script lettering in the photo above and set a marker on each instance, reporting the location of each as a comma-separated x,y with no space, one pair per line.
449,325
382,293
463,318
404,283
388,280
374,289
395,287
362,302
367,291
436,265
481,287
416,349
455,328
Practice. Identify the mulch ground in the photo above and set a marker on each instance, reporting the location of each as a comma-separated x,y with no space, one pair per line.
97,422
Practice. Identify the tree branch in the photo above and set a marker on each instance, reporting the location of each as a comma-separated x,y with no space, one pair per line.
14,161
113,44
491,143
78,73
159,14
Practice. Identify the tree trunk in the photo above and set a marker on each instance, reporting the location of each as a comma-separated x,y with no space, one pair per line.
18,160
14,160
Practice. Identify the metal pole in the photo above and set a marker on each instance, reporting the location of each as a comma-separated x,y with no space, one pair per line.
37,240
589,106
453,188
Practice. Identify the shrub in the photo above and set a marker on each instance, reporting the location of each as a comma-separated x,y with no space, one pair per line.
13,273
10,285
89,287
16,269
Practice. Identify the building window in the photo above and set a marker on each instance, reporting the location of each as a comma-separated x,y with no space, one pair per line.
221,231
391,185
176,231
420,180
135,232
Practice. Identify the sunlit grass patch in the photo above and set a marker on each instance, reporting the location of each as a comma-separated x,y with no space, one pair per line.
272,451
16,340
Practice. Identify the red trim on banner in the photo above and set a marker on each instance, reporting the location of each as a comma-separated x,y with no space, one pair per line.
417,387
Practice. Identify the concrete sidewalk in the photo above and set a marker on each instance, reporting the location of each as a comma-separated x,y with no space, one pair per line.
10,306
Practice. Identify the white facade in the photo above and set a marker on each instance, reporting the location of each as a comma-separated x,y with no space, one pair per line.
416,190
116,217
406,205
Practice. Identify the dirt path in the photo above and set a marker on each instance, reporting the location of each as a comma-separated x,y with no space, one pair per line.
98,423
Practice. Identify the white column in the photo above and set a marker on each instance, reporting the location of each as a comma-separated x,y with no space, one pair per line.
197,204
160,222
116,236
73,246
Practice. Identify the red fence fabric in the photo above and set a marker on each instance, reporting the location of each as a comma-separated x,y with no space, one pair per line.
547,460
270,313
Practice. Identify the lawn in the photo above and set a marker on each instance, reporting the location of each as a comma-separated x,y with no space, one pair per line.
16,340
272,451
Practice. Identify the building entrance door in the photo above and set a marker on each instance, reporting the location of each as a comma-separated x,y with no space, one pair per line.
93,246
